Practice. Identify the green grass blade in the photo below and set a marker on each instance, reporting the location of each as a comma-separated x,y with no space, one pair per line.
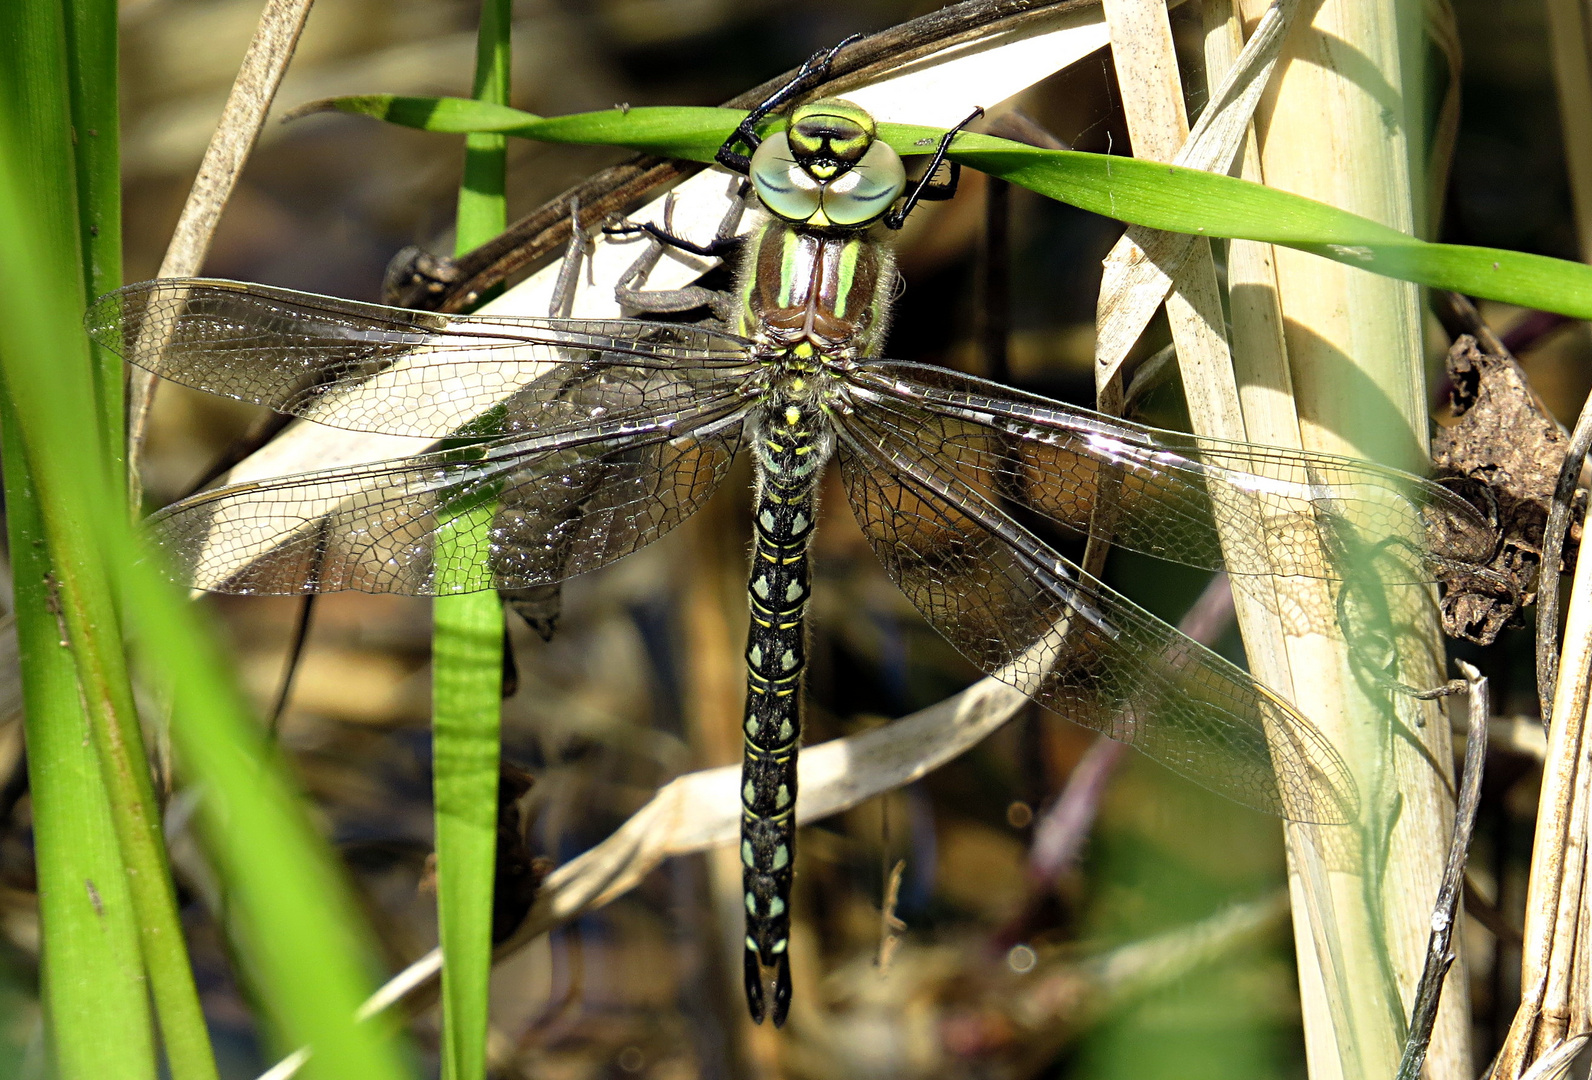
1191,201
93,986
467,681
35,117
92,70
467,654
299,933
94,990
1140,192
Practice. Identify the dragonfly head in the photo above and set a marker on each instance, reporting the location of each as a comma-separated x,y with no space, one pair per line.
828,169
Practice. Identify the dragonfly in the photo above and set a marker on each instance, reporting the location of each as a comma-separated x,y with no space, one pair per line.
580,441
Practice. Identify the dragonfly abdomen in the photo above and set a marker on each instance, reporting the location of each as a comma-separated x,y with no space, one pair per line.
790,444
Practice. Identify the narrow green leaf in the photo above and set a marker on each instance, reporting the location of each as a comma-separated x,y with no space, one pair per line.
1188,200
451,115
467,683
467,644
1139,192
688,133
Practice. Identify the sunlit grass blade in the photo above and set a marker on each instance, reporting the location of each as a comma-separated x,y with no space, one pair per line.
467,653
92,70
1140,192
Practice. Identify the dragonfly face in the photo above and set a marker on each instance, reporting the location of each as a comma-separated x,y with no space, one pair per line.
593,438
827,170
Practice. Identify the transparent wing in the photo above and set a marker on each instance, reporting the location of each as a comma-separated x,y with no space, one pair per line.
508,514
1293,514
371,368
1023,614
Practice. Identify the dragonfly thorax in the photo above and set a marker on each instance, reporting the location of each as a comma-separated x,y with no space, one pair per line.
809,295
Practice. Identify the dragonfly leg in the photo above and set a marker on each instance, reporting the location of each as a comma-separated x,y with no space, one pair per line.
633,297
813,72
713,249
926,188
540,605
576,253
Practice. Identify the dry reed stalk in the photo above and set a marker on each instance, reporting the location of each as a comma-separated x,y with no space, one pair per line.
1354,349
1215,408
1570,39
1552,1018
1360,907
1552,1023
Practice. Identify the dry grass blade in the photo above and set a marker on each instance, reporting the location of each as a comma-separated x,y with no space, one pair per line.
1554,972
1140,268
1553,539
1556,1064
701,810
1568,25
1445,913
263,67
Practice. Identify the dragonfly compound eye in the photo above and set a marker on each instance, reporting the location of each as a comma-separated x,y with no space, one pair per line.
865,191
781,182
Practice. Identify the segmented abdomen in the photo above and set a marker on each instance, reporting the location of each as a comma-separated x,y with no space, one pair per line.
789,452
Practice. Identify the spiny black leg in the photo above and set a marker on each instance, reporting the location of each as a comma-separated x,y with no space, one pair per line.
924,188
631,296
932,191
814,71
714,248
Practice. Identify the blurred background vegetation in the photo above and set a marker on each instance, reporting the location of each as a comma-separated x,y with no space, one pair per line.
1095,971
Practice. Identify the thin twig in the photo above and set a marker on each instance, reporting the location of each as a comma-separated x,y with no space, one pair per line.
1439,955
1552,553
1459,316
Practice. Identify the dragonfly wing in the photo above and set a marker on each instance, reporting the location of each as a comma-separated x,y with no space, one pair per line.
1291,513
1023,614
370,368
519,512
